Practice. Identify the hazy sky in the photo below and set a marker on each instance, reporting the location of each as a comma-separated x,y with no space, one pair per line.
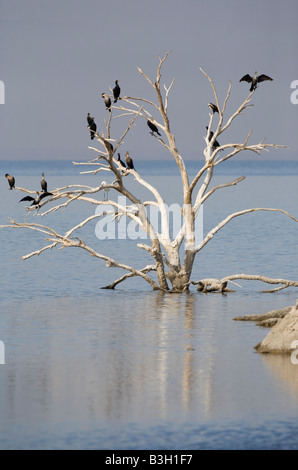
57,57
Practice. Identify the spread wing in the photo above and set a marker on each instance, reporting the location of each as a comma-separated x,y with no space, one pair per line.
263,77
27,198
44,195
246,78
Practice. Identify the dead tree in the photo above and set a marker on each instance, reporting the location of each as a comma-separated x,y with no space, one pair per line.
171,266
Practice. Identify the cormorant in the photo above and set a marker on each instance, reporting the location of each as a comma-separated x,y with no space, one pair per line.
11,180
107,101
116,91
213,107
38,198
89,119
43,184
153,127
215,143
121,161
254,80
92,126
129,162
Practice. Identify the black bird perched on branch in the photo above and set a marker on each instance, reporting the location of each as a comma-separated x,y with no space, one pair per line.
215,143
153,127
213,107
121,161
39,197
43,184
129,162
11,180
91,125
107,101
254,80
89,119
116,91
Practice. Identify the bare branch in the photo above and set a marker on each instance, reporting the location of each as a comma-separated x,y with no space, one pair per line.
220,186
131,123
131,99
214,92
220,285
67,242
241,108
38,252
31,226
145,270
251,277
145,76
227,97
224,222
167,94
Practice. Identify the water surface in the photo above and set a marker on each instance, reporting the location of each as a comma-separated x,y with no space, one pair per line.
135,369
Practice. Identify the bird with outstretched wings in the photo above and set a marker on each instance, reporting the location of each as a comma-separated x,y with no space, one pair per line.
255,80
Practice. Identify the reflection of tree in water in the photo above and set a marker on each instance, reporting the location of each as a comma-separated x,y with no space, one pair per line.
162,363
189,357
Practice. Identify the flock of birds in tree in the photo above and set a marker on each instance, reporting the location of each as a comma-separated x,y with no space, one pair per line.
128,165
39,194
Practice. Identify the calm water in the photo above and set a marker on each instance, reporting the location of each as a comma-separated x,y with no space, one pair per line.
135,369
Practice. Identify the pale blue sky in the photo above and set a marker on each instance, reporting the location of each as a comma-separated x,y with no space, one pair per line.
57,57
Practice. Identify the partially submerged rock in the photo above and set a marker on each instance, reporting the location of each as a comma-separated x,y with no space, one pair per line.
273,314
283,333
280,338
268,323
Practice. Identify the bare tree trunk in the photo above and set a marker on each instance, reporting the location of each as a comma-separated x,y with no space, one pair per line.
162,281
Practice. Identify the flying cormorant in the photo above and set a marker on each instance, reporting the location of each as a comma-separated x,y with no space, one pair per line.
129,162
121,161
43,184
92,126
153,128
107,101
215,143
39,197
254,80
116,91
11,180
213,107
